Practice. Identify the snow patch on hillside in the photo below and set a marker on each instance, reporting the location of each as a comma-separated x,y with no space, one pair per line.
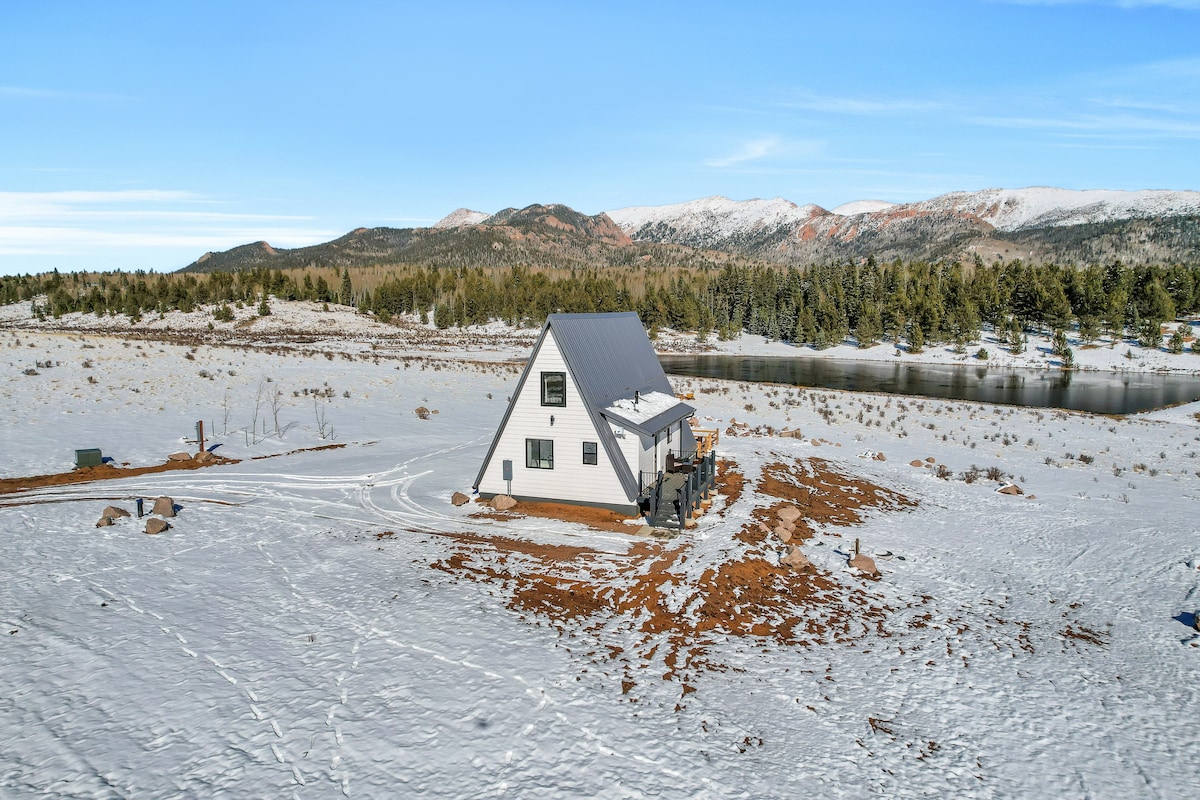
715,218
1040,206
460,217
861,207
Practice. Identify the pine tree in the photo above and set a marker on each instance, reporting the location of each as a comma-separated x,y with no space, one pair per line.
1175,344
1149,334
916,339
347,291
1058,344
264,310
870,326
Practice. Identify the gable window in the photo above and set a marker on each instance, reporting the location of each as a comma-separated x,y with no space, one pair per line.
554,388
539,453
589,452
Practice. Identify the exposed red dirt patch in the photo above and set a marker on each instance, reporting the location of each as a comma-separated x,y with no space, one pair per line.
824,495
104,472
677,600
596,518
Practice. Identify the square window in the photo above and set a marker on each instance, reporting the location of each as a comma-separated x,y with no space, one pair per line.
589,453
554,388
539,453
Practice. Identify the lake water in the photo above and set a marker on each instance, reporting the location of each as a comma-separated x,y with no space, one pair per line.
1098,392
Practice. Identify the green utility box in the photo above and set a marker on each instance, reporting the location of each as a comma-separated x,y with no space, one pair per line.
88,458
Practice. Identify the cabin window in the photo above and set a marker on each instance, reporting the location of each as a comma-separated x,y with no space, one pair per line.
539,453
554,388
589,452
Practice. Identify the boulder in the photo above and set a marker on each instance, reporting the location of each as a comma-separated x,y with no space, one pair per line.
502,502
795,559
155,525
205,457
180,456
783,533
880,457
164,507
1011,488
762,526
788,514
115,511
930,460
422,412
916,463
459,499
865,564
104,522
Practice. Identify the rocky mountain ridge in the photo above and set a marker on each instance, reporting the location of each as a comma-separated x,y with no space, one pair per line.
1035,223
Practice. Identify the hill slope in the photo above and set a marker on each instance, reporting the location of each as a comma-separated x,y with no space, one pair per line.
538,235
1037,223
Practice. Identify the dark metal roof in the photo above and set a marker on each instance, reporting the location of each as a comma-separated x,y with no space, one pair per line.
609,357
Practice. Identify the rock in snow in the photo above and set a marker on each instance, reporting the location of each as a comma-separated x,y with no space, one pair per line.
503,502
164,507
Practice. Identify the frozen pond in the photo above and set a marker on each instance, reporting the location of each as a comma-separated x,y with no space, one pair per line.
1098,392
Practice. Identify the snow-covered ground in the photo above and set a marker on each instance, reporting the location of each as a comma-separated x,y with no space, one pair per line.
325,623
310,328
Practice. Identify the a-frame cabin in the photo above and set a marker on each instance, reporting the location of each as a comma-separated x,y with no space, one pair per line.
593,420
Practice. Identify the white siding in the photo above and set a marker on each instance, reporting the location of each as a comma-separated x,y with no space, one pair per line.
570,479
646,460
630,444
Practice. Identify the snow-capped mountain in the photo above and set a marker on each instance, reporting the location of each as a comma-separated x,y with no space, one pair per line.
1044,206
460,217
712,222
1035,222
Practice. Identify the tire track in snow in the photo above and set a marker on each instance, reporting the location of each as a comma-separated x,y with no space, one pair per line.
222,670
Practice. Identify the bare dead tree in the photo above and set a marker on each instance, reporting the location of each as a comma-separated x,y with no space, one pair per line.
324,429
260,395
276,404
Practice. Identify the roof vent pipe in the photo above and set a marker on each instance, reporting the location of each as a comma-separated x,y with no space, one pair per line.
636,394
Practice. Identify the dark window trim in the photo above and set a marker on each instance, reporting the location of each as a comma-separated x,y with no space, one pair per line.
539,453
593,455
563,398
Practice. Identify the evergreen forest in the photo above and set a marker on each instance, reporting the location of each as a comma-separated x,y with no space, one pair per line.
917,302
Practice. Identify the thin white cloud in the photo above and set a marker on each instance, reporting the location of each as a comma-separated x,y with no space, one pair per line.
858,105
99,224
749,151
1110,125
34,92
773,148
1182,5
25,91
1137,105
50,240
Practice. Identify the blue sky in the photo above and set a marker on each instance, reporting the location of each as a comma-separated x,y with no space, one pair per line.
138,135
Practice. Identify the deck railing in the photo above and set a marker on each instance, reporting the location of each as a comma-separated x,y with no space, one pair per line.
706,440
672,497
